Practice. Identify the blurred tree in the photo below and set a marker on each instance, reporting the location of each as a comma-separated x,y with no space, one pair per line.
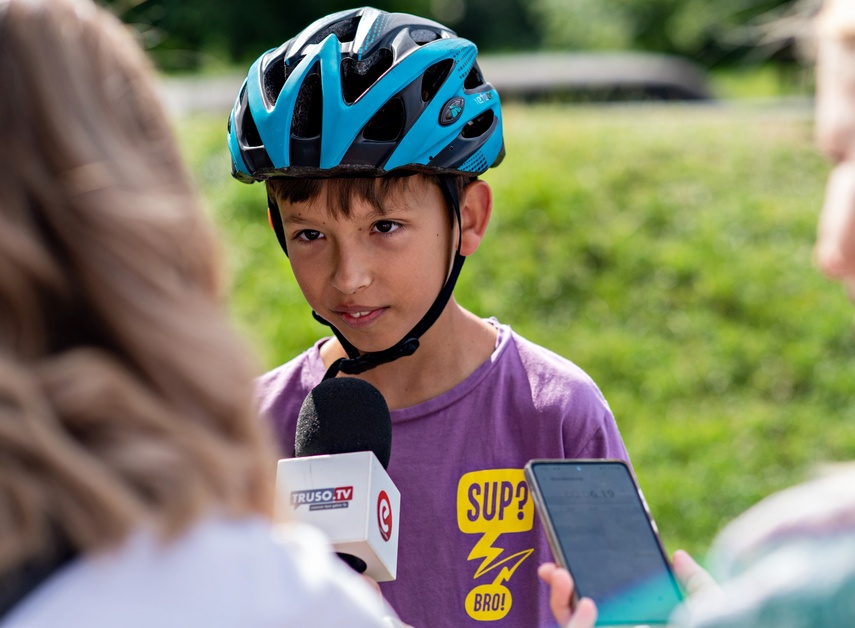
717,32
185,34
189,34
494,25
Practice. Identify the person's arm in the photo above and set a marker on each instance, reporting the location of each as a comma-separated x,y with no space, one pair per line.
694,579
835,135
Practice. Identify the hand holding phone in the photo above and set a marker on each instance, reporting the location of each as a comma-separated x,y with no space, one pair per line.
600,530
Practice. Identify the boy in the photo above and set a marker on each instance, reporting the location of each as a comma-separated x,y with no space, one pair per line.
370,130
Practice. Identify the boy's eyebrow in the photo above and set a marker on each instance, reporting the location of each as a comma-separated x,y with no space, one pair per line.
295,219
382,211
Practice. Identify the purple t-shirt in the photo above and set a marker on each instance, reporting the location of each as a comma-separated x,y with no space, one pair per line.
469,544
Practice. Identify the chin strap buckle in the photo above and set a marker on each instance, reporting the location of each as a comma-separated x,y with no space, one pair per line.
367,361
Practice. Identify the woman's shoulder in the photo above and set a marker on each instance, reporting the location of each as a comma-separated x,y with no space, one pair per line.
221,572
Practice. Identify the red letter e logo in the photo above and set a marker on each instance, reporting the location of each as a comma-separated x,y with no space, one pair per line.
384,515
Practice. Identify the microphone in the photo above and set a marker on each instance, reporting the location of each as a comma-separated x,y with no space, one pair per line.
337,480
343,415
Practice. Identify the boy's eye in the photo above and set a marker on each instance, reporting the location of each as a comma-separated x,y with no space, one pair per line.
386,226
309,235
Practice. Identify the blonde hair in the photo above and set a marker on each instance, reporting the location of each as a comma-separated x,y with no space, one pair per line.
125,394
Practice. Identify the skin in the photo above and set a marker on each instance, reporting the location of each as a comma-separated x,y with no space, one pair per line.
835,135
374,275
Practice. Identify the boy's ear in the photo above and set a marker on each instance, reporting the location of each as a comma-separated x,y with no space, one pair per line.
476,206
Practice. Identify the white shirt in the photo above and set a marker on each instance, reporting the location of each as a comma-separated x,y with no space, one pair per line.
221,573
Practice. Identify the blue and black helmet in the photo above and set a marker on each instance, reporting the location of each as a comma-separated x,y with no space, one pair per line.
365,92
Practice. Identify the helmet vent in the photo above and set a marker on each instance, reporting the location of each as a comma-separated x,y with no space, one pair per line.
308,108
251,136
476,163
387,124
423,36
478,126
358,76
434,77
292,65
474,78
274,78
344,30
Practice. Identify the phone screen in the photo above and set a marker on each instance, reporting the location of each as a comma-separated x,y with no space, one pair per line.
606,539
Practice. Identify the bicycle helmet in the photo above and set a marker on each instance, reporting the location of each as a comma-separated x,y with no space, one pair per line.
363,93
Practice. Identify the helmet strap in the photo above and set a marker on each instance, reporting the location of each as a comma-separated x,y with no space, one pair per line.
358,362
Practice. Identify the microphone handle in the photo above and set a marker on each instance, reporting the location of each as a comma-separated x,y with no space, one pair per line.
356,563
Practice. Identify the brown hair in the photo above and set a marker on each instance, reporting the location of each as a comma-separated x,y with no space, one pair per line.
125,394
340,192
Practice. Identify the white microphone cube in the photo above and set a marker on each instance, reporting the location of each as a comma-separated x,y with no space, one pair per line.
351,498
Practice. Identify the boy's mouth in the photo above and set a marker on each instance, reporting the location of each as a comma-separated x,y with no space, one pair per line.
359,317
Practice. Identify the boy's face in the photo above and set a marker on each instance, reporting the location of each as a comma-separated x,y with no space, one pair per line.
375,273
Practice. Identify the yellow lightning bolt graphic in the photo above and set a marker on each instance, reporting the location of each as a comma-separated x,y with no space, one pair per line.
484,549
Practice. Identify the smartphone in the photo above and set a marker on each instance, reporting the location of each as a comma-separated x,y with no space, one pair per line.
600,530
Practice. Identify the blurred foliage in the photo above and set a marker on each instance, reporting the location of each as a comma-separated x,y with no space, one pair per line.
712,33
664,249
194,34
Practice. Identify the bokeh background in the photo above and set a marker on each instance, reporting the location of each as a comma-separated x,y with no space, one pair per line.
662,245
195,34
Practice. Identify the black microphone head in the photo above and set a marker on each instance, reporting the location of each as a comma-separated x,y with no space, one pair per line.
343,415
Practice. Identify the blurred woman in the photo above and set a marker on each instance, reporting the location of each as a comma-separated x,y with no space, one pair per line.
135,480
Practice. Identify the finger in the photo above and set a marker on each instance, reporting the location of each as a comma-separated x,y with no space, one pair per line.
560,590
694,578
585,615
373,584
545,571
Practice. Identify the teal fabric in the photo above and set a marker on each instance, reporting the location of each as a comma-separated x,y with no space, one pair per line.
789,562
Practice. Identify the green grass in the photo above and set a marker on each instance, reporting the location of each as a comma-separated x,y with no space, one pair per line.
762,81
667,251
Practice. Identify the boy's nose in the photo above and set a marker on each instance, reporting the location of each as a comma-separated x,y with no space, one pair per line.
352,273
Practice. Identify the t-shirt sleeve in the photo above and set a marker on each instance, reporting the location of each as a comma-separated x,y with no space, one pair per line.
596,434
562,391
279,395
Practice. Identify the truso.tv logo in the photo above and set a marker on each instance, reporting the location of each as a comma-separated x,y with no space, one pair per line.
323,498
